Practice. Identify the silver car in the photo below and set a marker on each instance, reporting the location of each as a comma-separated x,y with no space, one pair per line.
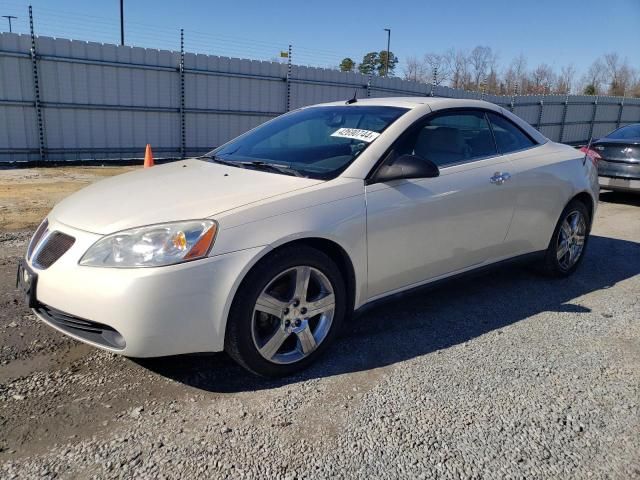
264,246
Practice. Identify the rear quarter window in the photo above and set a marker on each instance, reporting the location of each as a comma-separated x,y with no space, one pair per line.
509,137
630,132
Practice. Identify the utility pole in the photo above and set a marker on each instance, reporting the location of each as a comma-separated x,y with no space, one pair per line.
122,22
9,17
386,68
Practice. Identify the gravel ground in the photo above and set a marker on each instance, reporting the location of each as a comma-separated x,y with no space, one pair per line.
27,194
505,375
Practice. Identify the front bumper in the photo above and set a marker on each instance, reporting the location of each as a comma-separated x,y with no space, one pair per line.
620,184
157,311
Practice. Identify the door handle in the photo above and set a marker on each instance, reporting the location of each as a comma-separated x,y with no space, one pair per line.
500,177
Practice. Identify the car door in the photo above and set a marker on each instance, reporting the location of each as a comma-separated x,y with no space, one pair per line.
536,175
422,229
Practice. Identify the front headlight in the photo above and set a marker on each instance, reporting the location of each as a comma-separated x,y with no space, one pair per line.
153,246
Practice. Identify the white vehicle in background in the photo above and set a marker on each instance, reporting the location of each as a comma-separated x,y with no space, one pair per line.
264,246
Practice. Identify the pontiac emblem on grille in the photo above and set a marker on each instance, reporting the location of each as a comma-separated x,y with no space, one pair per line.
627,151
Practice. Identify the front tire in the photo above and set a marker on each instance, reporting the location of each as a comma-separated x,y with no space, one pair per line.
569,241
286,312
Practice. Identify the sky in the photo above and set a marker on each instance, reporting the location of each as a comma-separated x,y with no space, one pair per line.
557,32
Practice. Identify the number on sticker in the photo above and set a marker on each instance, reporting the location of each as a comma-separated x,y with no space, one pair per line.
357,134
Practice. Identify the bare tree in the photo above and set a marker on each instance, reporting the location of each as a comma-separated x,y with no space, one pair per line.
516,75
492,80
619,74
479,59
594,78
457,63
437,68
480,69
613,67
564,83
542,77
415,70
626,79
508,81
634,88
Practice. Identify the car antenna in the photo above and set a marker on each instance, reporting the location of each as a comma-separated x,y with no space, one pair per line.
586,150
353,99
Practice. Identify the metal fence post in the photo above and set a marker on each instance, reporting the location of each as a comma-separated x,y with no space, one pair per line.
593,118
289,70
433,81
36,88
183,120
369,86
564,118
513,98
620,113
540,113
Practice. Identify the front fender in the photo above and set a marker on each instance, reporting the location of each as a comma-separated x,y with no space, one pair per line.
341,221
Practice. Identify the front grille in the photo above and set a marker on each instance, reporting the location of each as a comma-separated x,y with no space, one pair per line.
86,329
55,245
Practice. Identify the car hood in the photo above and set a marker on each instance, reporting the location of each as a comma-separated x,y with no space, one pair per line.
182,190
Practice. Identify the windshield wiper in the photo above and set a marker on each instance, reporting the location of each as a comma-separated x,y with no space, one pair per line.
256,164
274,167
221,161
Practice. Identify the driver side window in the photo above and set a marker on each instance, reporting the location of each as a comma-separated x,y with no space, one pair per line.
451,138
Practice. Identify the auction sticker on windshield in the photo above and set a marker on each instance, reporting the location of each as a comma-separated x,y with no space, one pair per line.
356,133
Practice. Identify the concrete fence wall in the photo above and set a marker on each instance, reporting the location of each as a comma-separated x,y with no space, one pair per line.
68,100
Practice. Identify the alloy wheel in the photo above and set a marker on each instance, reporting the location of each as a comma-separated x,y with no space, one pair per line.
571,239
293,315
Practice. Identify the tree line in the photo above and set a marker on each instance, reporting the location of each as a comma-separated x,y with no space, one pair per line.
373,63
480,70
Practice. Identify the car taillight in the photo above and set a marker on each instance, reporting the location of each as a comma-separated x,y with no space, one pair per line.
592,154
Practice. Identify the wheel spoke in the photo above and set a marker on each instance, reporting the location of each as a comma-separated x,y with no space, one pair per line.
575,253
306,338
269,349
303,275
574,222
580,240
562,251
269,304
321,305
566,229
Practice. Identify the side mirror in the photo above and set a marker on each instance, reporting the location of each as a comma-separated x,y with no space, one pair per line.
407,166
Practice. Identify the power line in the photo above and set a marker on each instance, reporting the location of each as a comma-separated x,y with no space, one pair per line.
106,29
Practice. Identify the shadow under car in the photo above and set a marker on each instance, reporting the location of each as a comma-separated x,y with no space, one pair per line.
426,320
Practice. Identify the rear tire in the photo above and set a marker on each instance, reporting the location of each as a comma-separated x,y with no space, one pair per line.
569,241
286,312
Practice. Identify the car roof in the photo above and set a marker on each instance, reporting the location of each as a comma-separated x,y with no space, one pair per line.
435,103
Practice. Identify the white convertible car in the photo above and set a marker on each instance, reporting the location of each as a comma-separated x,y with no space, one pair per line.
264,246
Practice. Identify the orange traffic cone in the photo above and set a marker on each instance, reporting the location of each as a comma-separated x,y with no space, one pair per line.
148,157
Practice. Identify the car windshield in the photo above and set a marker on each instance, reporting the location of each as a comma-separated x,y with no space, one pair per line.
630,132
316,142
